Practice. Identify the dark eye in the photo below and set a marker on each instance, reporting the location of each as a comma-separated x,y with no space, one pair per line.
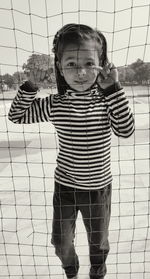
90,64
71,64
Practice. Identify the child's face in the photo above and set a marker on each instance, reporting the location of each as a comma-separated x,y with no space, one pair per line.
77,65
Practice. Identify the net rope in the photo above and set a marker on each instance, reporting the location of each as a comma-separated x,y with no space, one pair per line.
28,152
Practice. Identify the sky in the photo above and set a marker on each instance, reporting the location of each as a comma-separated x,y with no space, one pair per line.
28,26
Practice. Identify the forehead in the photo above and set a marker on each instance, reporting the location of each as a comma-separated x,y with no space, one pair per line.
89,48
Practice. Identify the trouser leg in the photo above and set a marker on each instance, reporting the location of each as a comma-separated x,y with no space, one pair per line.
96,217
63,229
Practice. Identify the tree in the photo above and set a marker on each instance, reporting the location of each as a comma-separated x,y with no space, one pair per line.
8,79
142,71
126,74
122,74
40,68
136,73
129,74
18,78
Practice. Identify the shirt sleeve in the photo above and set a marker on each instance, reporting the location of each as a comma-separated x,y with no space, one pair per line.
120,115
27,109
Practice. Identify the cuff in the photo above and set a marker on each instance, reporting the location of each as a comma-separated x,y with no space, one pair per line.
112,89
28,86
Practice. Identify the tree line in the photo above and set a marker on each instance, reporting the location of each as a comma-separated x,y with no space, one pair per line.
137,73
40,67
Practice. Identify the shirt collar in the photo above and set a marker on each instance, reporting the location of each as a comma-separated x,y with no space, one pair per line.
89,92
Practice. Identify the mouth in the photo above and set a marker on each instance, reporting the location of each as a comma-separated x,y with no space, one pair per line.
80,82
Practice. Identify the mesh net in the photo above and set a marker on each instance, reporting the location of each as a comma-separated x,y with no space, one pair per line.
28,152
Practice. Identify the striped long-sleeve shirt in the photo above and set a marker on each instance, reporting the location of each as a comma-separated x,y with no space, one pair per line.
83,121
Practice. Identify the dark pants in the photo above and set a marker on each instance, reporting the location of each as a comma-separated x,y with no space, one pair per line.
95,207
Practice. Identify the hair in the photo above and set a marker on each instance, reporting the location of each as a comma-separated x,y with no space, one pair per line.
76,34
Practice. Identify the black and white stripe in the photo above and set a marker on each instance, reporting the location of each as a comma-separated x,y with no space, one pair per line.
83,122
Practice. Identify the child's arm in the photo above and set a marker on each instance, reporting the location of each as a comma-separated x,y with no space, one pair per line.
25,108
120,115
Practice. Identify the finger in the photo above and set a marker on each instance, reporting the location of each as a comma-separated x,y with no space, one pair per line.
99,68
112,66
102,71
108,67
112,71
105,71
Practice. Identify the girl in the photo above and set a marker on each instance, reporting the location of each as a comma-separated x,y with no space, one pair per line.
90,102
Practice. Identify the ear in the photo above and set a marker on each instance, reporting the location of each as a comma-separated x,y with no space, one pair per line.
60,68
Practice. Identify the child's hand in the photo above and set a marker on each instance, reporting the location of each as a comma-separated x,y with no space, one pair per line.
29,86
107,76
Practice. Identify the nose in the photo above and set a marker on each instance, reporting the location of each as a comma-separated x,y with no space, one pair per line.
81,72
